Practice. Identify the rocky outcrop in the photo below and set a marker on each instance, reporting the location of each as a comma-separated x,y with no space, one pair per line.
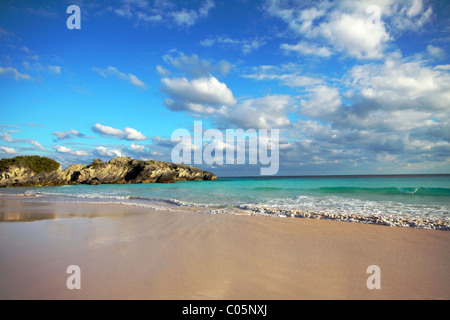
118,170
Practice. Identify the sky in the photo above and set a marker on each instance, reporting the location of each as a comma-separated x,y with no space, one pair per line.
354,87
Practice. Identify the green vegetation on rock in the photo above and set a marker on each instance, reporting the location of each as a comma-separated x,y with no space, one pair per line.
34,163
36,171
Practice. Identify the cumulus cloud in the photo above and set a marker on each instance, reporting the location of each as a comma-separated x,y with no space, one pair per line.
290,75
62,149
137,147
202,95
207,97
349,33
139,10
269,112
321,102
306,48
193,66
144,12
6,136
162,71
399,84
133,134
126,134
393,110
187,18
114,72
69,134
102,151
36,144
347,26
8,150
436,52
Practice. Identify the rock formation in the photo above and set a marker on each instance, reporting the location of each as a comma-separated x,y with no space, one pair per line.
118,170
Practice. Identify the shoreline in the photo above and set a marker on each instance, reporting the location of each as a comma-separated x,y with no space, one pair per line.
128,252
390,220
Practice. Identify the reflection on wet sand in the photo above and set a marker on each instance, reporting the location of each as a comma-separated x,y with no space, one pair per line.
25,217
20,211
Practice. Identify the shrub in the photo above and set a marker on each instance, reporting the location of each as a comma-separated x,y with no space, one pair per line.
34,163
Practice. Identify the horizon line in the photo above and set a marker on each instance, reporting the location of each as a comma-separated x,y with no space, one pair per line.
340,175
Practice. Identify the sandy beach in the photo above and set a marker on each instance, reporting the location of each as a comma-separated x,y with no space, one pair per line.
128,252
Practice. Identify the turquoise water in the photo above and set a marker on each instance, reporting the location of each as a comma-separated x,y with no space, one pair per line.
414,196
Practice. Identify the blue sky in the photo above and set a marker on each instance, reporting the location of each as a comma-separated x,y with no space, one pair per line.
350,93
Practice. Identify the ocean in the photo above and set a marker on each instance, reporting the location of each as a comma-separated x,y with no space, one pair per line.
399,200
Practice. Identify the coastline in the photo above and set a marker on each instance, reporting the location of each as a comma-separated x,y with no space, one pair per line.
129,252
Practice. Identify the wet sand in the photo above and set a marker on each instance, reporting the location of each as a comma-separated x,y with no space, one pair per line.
127,252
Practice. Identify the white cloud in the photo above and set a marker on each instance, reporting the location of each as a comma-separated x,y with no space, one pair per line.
126,134
54,69
36,144
435,52
260,113
193,66
251,45
80,153
191,93
138,9
8,150
62,149
135,81
412,17
123,12
207,42
246,45
288,74
349,33
346,25
133,134
187,18
102,151
322,102
306,48
7,137
67,134
444,67
205,8
13,73
395,111
112,71
162,12
415,8
162,71
398,84
138,147
208,97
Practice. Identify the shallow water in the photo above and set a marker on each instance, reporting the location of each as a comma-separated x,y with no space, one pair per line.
412,197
